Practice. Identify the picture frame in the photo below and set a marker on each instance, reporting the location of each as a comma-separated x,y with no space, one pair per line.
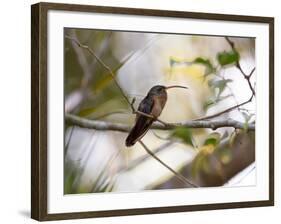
42,159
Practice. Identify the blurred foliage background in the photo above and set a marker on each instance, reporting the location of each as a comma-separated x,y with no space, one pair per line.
99,161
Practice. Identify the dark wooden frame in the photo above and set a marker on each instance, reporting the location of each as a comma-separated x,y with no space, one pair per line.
39,110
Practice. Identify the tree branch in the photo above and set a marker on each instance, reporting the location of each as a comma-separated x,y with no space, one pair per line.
108,126
178,175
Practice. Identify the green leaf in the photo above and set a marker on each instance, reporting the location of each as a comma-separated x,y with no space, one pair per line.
213,139
232,138
246,126
87,111
219,84
225,155
208,103
183,134
196,165
206,62
247,117
229,57
201,161
174,61
212,101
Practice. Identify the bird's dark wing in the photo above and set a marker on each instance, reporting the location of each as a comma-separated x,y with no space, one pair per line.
142,122
145,106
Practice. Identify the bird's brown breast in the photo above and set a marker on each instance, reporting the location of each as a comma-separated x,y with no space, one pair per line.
158,105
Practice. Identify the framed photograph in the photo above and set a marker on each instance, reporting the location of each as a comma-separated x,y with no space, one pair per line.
139,111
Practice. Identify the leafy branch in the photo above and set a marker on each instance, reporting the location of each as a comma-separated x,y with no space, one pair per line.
226,58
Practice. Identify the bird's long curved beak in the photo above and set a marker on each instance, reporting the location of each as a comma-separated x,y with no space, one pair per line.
183,87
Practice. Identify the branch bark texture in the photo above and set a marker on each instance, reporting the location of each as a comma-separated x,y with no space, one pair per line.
110,126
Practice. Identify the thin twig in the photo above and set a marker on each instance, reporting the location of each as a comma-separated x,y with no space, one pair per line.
111,113
101,50
178,175
141,159
224,111
81,58
252,72
150,116
104,65
247,77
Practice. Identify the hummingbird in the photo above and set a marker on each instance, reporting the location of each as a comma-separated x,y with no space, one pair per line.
152,104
